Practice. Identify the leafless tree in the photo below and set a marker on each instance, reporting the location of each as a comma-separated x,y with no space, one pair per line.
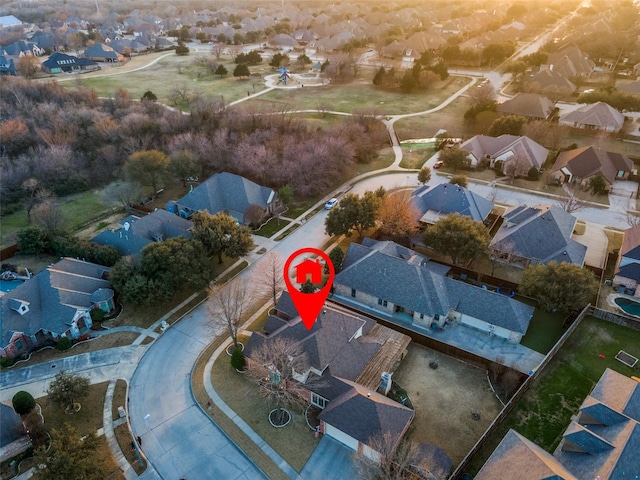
546,133
217,50
37,194
515,166
482,95
278,367
227,305
397,461
125,192
269,276
572,199
48,215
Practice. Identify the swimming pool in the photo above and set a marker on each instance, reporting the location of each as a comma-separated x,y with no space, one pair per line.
8,285
628,305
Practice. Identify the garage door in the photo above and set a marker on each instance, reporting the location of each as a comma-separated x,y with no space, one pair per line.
340,436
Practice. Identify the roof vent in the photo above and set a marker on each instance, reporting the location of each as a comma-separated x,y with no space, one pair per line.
368,395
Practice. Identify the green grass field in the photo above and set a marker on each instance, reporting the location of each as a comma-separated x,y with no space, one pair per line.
544,330
76,210
545,411
360,96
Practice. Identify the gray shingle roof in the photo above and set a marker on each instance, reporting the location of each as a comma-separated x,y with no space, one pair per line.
542,232
329,343
528,105
226,192
517,458
136,233
607,429
423,288
54,296
12,428
506,146
366,415
586,162
598,114
443,199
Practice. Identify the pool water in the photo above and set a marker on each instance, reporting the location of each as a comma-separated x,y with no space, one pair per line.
8,285
630,306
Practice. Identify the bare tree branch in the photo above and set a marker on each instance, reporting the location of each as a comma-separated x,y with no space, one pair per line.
227,304
269,276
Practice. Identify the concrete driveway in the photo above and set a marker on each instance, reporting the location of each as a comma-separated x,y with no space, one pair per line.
177,437
331,460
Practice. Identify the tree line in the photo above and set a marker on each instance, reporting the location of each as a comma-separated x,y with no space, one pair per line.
69,140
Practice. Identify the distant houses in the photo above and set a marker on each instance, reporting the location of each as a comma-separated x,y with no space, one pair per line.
529,105
596,116
435,202
499,151
63,63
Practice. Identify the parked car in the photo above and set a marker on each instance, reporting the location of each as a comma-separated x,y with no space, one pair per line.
438,164
330,204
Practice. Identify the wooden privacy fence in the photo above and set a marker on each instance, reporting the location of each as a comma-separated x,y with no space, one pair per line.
623,320
513,401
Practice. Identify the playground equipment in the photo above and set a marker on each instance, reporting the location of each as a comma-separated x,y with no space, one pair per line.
284,75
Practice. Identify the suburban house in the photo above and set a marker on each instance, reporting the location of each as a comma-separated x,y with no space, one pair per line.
601,442
54,303
402,286
627,276
537,235
529,105
504,149
349,362
63,63
546,80
243,199
596,116
7,66
570,61
135,233
581,164
99,52
435,202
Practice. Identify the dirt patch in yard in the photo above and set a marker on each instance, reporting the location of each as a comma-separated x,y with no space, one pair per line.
448,400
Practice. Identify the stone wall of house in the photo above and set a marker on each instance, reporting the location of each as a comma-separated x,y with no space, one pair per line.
625,282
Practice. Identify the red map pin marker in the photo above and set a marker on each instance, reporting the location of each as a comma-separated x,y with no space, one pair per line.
308,305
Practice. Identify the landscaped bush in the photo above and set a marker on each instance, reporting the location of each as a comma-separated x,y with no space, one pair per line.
237,359
533,174
64,344
97,315
23,402
6,362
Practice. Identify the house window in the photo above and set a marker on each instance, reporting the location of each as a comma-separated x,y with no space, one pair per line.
422,316
353,292
382,302
318,401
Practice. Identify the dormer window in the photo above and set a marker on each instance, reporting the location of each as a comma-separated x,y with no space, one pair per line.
19,306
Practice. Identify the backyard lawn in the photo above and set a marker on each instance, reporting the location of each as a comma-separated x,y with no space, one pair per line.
544,330
76,210
545,411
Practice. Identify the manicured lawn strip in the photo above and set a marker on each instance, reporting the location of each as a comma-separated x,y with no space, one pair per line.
230,428
272,226
232,273
416,157
449,118
383,161
119,398
291,229
123,437
544,330
545,411
295,442
361,96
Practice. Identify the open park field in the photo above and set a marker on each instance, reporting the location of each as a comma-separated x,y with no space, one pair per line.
545,411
